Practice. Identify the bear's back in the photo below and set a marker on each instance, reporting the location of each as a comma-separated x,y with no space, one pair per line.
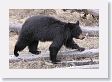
42,20
43,27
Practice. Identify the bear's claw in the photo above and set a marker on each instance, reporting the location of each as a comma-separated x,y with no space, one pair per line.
56,62
35,52
81,49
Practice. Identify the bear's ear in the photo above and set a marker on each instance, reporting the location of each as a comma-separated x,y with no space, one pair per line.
77,23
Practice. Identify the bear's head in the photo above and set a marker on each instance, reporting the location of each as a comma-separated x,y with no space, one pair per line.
76,31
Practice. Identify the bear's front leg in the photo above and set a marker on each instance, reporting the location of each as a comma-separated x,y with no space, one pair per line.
54,48
71,44
53,55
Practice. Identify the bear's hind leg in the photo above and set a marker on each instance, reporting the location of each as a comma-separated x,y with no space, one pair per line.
33,47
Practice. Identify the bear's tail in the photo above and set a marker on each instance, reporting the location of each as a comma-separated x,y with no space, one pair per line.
15,51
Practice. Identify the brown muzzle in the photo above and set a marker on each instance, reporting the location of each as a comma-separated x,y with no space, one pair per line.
81,37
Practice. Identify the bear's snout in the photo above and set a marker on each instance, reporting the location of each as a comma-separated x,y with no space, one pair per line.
81,37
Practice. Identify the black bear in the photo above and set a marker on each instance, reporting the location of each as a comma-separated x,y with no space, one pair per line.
46,28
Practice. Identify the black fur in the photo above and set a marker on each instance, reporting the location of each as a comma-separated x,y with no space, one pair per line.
45,28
